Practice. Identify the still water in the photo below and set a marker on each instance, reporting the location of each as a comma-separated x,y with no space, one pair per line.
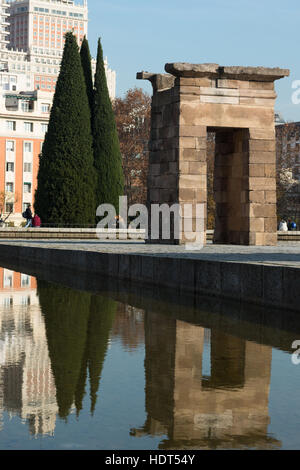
86,370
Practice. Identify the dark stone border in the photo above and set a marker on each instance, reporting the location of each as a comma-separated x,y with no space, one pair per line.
275,286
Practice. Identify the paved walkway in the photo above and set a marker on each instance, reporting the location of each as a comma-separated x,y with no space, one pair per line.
285,254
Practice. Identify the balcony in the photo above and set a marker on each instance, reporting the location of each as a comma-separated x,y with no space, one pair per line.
13,100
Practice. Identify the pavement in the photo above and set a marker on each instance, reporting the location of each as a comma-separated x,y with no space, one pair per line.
284,254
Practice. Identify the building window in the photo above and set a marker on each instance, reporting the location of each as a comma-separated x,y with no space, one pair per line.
10,166
27,167
10,146
28,126
25,206
25,280
11,125
9,187
25,106
9,207
27,187
44,128
28,147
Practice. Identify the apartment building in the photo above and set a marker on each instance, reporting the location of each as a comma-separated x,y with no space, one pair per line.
23,124
38,28
31,47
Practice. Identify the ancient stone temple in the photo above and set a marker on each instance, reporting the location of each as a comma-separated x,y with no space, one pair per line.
237,104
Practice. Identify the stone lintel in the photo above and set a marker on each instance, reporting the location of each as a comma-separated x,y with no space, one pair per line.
259,74
159,81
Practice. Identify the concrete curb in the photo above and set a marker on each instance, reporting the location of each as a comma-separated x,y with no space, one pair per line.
276,286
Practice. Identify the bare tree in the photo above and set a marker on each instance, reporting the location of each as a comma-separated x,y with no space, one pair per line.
132,115
7,197
288,170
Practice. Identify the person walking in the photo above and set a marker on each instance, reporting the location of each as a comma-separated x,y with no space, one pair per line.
28,216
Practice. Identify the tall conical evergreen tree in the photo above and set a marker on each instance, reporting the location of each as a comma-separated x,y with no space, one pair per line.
66,178
107,155
86,62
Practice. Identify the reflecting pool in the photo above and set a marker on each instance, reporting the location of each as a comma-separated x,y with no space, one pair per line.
99,367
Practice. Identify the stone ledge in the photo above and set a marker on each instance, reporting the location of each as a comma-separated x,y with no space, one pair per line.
260,284
263,74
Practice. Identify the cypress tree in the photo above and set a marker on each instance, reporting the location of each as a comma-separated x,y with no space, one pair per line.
86,63
66,178
107,155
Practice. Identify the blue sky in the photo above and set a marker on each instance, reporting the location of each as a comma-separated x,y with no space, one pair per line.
145,34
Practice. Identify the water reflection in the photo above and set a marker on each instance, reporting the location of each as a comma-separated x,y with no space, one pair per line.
27,386
227,406
204,387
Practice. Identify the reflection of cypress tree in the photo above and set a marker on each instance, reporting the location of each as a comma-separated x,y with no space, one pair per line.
101,321
80,389
66,315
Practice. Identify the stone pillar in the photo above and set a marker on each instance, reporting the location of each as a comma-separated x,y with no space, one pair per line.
262,187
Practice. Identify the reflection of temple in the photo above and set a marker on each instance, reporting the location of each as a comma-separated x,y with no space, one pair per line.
205,389
27,387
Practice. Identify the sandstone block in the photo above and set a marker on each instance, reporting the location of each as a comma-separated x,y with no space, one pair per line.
257,169
256,239
256,196
167,132
261,85
197,168
192,131
173,167
184,167
189,90
154,195
262,210
187,142
270,171
226,83
187,194
262,145
155,169
270,239
219,99
251,102
262,157
219,92
270,196
201,196
201,143
191,155
256,183
265,134
190,81
256,224
255,93
193,181
210,114
270,224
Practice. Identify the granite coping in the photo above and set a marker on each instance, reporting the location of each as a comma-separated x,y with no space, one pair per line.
211,70
285,254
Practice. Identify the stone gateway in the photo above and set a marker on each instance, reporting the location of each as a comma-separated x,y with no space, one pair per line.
237,104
